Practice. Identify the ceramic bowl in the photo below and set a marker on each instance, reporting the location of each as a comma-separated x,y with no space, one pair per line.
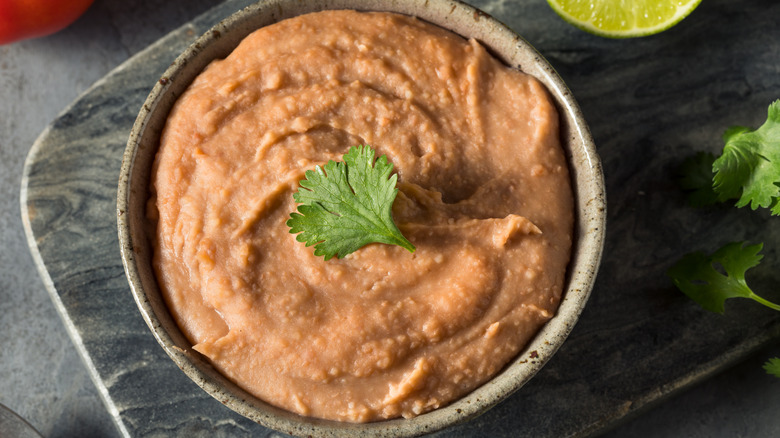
12,425
460,18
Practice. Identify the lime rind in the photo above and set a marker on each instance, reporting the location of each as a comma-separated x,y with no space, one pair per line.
594,24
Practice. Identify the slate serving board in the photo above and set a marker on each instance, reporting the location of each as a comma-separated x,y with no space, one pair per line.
650,103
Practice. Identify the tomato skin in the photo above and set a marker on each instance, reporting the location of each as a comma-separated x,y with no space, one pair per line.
22,19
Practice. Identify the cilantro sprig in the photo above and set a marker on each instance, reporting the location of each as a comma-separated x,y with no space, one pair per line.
748,170
347,205
698,275
772,366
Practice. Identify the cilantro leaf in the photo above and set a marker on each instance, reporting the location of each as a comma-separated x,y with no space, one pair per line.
772,366
347,205
749,168
697,276
695,178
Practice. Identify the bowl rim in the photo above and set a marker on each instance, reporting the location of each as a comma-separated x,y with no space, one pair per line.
587,183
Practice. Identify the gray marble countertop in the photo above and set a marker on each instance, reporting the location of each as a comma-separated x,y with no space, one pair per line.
43,379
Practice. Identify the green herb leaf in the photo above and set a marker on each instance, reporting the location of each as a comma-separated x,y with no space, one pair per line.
749,171
772,366
749,168
695,178
697,275
347,205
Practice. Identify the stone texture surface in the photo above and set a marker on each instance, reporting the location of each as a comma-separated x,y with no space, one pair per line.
650,103
42,377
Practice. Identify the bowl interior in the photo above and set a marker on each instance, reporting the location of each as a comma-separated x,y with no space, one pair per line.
134,230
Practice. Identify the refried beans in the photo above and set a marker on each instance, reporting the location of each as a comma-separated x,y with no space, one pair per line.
485,196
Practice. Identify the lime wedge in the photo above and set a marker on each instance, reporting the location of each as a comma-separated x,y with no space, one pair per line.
623,18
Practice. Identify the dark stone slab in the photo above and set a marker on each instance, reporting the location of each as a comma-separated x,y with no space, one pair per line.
650,103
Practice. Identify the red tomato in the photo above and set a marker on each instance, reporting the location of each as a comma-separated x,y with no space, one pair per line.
20,19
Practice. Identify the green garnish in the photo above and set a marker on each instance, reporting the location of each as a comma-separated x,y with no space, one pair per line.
697,275
748,170
347,205
772,366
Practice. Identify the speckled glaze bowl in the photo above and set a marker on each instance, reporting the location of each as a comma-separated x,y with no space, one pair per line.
134,233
